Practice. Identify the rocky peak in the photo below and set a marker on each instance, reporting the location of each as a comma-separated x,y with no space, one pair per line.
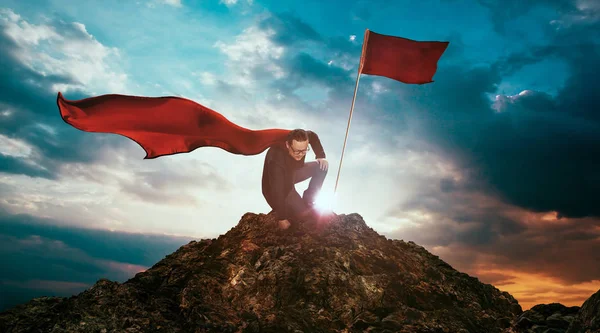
587,319
340,276
546,318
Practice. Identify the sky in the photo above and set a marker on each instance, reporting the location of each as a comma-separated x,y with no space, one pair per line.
493,166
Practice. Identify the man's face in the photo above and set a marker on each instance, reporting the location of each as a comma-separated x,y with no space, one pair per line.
297,149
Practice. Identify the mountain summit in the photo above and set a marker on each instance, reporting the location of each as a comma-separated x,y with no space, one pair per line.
336,277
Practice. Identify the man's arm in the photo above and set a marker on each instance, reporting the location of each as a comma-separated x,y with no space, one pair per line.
315,143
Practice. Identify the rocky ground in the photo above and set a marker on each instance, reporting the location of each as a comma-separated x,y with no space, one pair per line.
336,277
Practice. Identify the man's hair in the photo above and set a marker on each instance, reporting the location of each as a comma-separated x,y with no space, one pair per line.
298,135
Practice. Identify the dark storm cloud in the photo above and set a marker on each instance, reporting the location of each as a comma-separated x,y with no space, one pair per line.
289,29
303,67
554,249
471,227
569,20
38,257
23,87
543,159
503,11
11,164
363,10
535,150
458,217
343,48
291,32
542,151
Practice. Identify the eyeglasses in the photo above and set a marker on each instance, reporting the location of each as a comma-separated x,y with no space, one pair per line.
300,152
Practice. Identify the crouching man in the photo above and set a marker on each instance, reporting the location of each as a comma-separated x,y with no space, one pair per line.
284,167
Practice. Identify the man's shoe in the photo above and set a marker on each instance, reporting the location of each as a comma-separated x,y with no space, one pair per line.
283,224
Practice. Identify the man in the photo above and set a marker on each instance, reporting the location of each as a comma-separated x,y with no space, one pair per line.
284,167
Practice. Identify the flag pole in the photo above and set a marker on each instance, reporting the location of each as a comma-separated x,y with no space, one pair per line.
347,130
362,55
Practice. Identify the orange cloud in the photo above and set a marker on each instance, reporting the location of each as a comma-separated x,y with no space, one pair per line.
532,289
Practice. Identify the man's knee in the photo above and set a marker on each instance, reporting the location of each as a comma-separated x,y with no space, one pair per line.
318,170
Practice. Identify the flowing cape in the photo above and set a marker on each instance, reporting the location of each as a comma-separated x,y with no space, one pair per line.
165,125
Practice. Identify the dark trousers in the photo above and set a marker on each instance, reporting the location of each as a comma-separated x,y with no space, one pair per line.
297,205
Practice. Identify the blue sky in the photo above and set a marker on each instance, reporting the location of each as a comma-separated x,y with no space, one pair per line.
493,167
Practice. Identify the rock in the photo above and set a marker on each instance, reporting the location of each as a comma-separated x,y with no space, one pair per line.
539,329
543,317
587,320
556,320
554,330
336,277
524,323
504,322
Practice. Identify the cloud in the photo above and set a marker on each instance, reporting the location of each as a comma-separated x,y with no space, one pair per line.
453,210
583,13
525,176
63,50
477,232
525,150
575,18
231,3
363,10
12,164
287,29
496,278
39,60
39,257
503,12
531,289
124,193
265,61
207,78
539,150
278,44
281,57
253,56
37,143
548,146
174,3
529,149
305,69
167,186
59,287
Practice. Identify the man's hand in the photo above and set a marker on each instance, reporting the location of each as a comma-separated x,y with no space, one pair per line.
284,224
323,164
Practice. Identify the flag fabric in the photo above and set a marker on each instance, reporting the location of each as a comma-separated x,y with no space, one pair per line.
165,125
399,58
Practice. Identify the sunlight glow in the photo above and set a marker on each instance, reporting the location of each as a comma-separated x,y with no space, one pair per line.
325,201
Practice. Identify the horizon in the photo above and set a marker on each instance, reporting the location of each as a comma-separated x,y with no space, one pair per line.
492,167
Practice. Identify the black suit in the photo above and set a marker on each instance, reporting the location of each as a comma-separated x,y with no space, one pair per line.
281,171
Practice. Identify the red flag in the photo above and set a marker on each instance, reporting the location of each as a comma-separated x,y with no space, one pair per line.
165,125
399,58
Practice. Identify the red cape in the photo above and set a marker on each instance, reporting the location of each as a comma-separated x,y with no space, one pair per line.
165,125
